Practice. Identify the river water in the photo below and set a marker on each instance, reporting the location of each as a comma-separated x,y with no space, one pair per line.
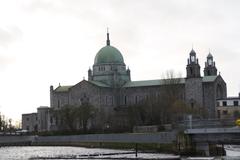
21,153
34,153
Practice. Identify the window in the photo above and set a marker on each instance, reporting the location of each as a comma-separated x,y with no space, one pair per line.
27,119
218,104
193,58
51,120
136,99
218,114
225,112
235,103
209,62
125,99
191,71
192,105
208,73
58,104
224,103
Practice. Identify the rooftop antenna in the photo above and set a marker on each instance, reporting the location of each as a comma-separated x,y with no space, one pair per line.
108,41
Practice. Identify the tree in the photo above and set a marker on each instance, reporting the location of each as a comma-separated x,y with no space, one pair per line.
164,106
84,113
66,115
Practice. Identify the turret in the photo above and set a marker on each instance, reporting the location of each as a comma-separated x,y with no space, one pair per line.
51,96
210,68
129,74
193,68
90,74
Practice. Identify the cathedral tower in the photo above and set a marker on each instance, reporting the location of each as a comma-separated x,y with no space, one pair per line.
193,83
193,68
210,68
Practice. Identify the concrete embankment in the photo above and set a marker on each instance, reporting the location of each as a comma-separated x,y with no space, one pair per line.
160,138
93,140
16,140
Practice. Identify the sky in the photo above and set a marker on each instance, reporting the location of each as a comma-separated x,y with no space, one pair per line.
45,43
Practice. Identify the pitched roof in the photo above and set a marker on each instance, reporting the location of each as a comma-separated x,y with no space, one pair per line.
66,88
209,78
145,83
156,82
62,88
99,84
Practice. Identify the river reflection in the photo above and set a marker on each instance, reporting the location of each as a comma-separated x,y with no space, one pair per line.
20,153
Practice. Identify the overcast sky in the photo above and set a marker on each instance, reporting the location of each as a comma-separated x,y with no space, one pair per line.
44,42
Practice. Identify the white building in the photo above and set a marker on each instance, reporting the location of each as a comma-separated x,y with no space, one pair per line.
228,107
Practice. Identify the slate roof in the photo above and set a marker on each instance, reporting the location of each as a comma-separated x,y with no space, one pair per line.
66,88
159,82
145,83
99,84
209,78
62,88
156,82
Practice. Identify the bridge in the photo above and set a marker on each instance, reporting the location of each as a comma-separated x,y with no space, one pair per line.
203,137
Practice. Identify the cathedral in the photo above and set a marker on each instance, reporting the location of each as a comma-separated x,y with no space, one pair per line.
109,85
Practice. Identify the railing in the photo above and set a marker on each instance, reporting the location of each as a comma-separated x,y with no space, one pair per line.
207,123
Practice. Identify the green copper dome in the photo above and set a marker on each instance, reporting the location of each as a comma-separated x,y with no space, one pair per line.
108,54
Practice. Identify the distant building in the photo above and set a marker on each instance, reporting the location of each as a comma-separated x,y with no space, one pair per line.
43,118
30,122
36,122
228,107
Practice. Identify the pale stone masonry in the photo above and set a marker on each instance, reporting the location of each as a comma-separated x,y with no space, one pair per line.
30,122
109,86
37,122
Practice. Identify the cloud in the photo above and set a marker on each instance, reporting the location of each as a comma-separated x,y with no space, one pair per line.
9,35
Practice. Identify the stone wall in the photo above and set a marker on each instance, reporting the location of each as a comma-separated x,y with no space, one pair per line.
194,92
30,122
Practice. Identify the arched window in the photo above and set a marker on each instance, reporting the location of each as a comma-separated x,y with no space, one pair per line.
58,103
136,99
191,71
